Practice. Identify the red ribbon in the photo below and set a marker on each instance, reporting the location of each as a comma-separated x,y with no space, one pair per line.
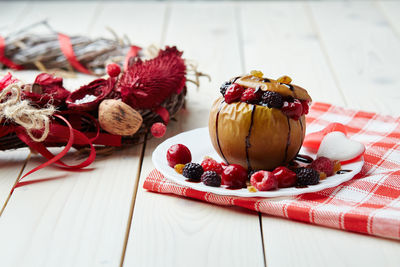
163,113
60,133
68,51
5,60
133,51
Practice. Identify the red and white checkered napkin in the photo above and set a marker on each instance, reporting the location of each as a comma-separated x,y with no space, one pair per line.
369,203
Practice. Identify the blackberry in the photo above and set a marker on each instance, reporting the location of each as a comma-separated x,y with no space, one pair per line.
224,86
307,176
192,171
211,178
272,99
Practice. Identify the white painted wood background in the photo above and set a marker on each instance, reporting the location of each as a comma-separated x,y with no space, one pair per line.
345,53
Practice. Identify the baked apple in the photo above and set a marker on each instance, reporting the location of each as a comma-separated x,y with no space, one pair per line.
259,123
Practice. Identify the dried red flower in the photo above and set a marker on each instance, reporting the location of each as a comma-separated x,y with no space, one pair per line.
7,80
88,97
146,84
47,89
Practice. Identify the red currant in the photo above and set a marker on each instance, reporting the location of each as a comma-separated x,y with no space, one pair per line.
234,176
285,177
178,154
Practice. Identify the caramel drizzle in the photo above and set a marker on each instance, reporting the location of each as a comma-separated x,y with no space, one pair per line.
288,139
216,131
248,145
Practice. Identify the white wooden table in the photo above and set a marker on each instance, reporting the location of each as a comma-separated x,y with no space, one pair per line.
345,53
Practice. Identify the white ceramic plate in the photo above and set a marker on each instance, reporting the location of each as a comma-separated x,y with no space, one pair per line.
199,143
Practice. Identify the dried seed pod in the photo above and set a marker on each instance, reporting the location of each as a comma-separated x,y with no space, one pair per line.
118,118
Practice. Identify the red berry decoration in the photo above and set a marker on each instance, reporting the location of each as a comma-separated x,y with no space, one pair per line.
293,109
264,181
158,129
113,70
234,176
249,96
178,154
323,164
233,93
212,165
285,177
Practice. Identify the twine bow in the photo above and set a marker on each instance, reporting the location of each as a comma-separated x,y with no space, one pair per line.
22,113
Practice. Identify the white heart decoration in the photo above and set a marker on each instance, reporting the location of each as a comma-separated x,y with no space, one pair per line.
336,146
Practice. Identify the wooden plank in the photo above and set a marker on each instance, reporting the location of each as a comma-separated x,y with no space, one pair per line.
391,10
298,244
172,231
279,39
147,17
11,13
11,162
79,219
363,50
307,245
62,16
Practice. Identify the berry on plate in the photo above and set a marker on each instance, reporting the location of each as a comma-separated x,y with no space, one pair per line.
211,178
264,181
285,177
192,171
233,93
210,164
178,154
323,164
307,176
234,176
179,168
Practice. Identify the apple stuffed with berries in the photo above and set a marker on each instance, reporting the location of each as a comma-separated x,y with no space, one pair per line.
259,123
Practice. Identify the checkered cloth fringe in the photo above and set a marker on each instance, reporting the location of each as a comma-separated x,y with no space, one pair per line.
368,204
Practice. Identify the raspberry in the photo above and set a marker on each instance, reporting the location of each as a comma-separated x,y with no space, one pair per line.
178,154
233,93
307,176
192,171
113,70
158,129
249,96
305,106
264,181
179,168
293,109
224,86
323,164
234,176
272,99
210,164
211,178
285,177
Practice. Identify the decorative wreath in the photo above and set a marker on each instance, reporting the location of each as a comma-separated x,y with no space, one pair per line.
118,109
